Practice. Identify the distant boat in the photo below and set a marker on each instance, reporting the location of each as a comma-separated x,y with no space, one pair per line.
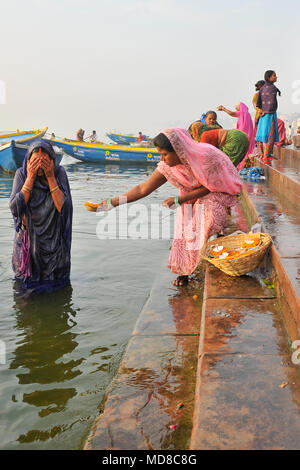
99,153
13,148
125,138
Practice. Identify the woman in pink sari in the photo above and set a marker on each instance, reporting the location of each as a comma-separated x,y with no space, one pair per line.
244,123
282,134
208,183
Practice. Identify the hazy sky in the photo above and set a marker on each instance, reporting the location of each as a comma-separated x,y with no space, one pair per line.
130,65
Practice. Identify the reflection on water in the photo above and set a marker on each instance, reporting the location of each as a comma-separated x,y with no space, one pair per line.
46,321
63,348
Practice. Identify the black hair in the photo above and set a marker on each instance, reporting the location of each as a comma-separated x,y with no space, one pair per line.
211,112
163,142
259,84
268,74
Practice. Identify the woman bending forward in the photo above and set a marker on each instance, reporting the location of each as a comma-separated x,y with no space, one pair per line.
208,183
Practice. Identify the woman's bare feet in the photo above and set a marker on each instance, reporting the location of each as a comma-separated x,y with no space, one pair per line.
181,281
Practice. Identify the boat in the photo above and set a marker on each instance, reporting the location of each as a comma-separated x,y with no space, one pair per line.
99,153
125,138
24,136
13,148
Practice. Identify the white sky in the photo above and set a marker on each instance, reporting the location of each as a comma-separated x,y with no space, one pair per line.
130,65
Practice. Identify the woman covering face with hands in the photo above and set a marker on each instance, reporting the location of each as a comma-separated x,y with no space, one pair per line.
41,205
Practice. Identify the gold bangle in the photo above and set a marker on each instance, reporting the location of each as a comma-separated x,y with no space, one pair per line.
27,188
54,189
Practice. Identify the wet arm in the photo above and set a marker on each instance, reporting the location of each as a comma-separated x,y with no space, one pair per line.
27,188
57,194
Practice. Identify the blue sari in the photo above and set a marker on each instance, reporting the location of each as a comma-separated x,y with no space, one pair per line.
264,127
47,237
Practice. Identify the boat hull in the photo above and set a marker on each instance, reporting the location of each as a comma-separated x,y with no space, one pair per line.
97,153
125,139
22,137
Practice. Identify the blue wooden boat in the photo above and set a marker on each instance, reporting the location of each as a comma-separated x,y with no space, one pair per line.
125,139
24,136
97,153
13,152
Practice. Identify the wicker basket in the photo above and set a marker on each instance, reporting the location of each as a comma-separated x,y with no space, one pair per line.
245,263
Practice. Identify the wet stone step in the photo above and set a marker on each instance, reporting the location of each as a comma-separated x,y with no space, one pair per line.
289,153
288,168
248,389
151,401
279,218
287,185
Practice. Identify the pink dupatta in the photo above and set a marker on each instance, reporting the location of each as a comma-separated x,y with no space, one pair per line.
245,124
201,165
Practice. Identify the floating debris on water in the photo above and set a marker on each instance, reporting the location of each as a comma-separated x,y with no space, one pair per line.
284,384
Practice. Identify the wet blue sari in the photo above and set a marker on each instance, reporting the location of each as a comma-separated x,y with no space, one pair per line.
49,231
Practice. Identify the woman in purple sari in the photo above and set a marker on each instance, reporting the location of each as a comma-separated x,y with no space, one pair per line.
41,205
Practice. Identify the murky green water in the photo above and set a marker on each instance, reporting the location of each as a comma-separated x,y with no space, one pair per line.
63,349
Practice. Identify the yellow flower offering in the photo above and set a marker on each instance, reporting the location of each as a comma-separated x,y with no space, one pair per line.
91,207
218,250
250,243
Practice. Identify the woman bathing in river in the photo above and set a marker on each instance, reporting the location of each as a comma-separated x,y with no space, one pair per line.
41,205
208,183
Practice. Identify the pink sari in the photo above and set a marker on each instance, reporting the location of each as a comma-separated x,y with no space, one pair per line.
282,133
245,124
196,221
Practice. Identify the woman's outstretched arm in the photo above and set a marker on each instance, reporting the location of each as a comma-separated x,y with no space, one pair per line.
231,113
138,192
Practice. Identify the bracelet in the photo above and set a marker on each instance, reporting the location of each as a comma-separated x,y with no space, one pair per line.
109,204
54,189
27,188
176,201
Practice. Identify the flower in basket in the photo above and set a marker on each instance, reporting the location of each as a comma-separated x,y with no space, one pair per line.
218,250
251,243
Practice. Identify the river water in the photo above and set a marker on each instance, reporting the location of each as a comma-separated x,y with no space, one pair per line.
63,349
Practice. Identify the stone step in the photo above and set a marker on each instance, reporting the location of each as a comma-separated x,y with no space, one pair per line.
289,153
248,389
157,374
284,179
281,219
247,392
158,370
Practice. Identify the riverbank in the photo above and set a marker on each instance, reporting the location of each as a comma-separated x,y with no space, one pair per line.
244,383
